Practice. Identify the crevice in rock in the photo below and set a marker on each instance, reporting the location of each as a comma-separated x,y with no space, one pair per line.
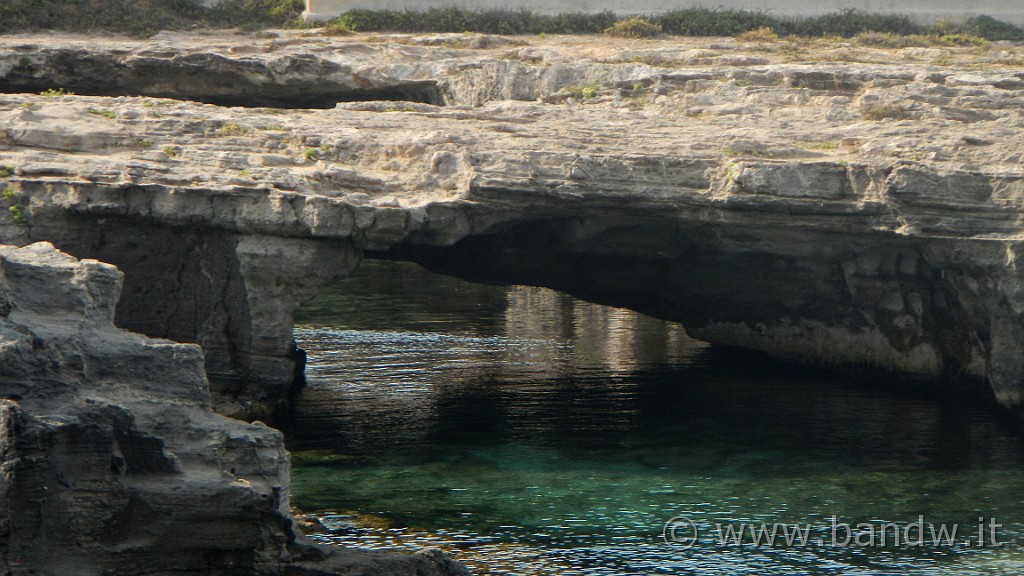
297,82
280,96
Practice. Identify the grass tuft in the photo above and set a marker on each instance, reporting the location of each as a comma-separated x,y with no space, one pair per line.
634,28
763,34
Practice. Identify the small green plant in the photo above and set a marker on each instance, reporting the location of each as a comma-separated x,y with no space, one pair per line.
108,114
584,92
55,92
172,151
828,145
230,129
634,28
10,196
335,28
17,214
144,143
962,40
984,27
6,171
312,154
762,34
888,40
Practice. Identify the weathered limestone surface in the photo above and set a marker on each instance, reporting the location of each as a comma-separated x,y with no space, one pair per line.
815,201
112,460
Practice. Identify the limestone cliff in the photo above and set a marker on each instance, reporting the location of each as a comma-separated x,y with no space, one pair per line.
111,458
815,201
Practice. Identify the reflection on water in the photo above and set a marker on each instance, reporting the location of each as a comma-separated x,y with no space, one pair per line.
530,433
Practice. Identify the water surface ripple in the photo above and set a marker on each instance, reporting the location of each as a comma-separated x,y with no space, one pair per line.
529,433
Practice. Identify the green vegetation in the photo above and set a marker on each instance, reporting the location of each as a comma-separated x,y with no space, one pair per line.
10,196
980,27
483,21
255,14
108,114
312,154
230,129
583,92
145,17
335,29
55,92
634,28
17,214
889,40
760,35
685,22
6,171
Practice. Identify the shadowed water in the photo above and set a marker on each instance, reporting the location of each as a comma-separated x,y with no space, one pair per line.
529,433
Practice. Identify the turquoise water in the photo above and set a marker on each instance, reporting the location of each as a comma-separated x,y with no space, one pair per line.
529,433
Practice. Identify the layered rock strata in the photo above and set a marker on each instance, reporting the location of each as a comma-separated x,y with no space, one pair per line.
111,458
814,201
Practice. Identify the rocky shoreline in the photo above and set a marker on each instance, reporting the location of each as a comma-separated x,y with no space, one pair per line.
823,202
112,460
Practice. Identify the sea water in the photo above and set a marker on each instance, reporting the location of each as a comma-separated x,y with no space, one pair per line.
526,432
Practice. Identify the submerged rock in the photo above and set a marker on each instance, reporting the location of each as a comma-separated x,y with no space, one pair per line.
112,460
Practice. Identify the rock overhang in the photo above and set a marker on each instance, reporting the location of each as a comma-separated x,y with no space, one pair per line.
842,213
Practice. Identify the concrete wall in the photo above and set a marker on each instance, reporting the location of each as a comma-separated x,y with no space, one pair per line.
924,11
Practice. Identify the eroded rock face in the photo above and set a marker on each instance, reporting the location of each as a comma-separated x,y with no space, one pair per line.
839,210
111,458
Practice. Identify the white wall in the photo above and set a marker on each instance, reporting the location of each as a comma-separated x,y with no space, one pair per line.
924,11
